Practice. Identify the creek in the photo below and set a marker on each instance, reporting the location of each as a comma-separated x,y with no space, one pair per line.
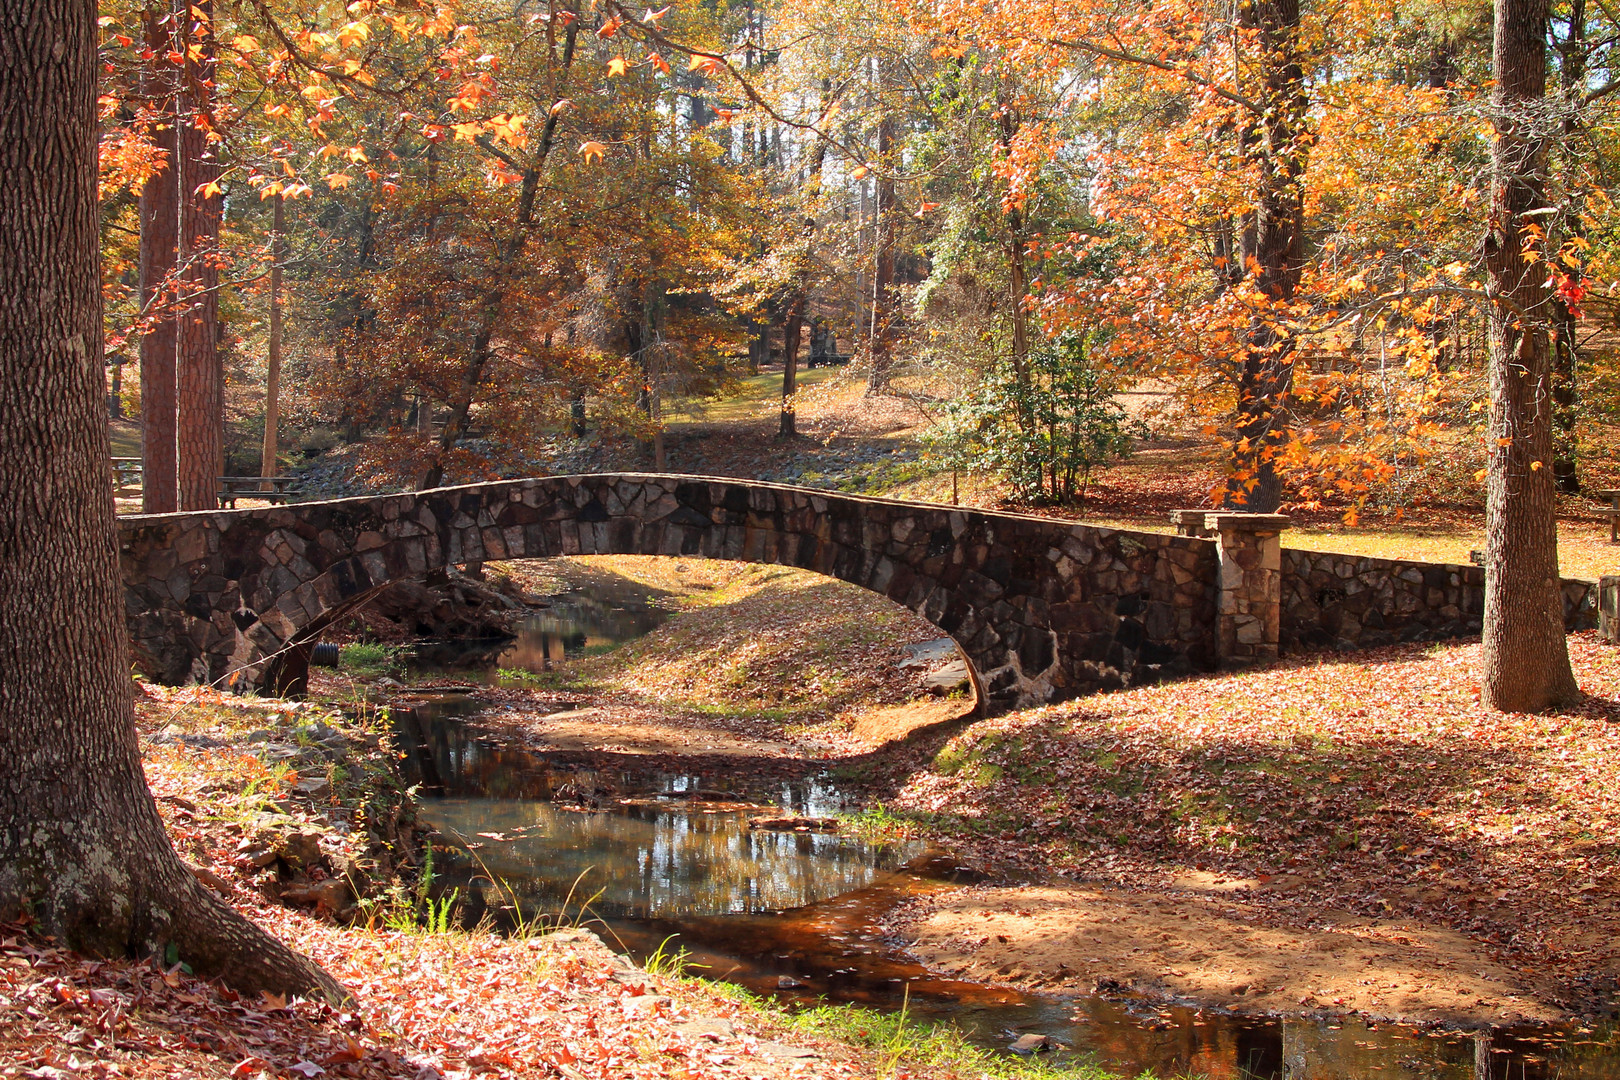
665,861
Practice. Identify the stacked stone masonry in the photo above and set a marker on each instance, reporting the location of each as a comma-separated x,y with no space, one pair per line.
1045,610
1333,601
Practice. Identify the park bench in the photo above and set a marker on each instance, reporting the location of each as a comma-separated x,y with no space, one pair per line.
126,475
1611,511
272,489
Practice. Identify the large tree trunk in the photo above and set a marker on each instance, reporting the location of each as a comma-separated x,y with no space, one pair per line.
160,223
272,380
1274,245
198,440
1524,657
81,845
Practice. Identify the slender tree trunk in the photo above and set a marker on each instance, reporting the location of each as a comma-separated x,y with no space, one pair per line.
82,848
1018,278
160,223
272,381
479,354
1524,657
882,327
115,390
1566,393
197,363
791,330
1274,244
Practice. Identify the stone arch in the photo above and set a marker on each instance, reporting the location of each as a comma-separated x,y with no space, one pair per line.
1042,609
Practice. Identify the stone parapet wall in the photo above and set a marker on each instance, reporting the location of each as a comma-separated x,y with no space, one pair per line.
1334,601
1044,609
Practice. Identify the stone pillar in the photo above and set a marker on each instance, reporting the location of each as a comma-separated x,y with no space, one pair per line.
1249,593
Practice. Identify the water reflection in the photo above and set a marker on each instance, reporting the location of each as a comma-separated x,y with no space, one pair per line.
577,623
640,861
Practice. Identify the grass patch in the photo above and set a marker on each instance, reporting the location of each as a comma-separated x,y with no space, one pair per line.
750,398
904,1041
879,825
369,659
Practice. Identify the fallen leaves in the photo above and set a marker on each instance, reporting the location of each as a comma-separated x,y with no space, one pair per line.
1372,783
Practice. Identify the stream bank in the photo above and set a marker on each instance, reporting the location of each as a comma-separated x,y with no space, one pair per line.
1213,950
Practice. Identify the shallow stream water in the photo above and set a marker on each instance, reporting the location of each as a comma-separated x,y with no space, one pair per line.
667,860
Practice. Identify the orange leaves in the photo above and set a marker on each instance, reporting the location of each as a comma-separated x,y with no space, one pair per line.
609,28
509,128
708,65
653,18
616,66
659,63
338,181
860,172
592,151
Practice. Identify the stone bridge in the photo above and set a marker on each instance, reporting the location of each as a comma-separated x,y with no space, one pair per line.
1045,610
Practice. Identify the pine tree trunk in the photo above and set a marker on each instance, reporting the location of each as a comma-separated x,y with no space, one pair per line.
272,380
160,222
197,365
1524,657
81,845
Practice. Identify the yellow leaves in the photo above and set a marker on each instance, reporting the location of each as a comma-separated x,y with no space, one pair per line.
356,154
592,151
338,181
616,66
245,43
859,172
708,65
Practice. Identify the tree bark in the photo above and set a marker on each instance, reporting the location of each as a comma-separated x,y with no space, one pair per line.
160,221
1273,244
82,847
1524,657
272,380
198,441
